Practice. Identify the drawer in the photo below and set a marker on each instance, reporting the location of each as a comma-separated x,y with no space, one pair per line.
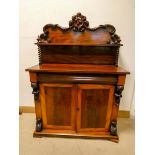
76,78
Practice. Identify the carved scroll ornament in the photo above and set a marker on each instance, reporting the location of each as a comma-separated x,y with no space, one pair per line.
35,91
39,125
113,128
118,94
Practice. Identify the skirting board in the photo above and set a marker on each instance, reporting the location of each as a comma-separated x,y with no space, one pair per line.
30,109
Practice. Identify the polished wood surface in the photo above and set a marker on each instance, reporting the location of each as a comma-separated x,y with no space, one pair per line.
121,79
70,37
58,110
78,68
86,135
33,77
77,85
76,78
95,106
106,55
79,32
58,106
78,43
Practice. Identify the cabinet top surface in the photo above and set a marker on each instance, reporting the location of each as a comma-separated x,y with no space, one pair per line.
78,68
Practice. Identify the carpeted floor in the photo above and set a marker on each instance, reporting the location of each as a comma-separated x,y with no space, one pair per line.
70,146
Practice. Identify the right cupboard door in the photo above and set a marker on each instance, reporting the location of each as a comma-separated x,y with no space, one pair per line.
94,108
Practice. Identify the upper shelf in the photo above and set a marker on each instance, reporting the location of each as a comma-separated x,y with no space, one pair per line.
79,33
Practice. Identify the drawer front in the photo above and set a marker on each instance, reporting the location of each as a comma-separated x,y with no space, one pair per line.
55,78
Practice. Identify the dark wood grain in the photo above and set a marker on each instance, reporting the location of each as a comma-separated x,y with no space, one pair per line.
79,32
99,45
77,78
58,106
74,83
56,35
95,107
105,55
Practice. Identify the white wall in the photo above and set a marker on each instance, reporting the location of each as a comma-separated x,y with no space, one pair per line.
132,108
34,14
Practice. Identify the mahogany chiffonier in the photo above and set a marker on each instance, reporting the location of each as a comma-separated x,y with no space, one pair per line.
77,84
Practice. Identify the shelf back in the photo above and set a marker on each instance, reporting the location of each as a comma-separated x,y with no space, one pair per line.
78,43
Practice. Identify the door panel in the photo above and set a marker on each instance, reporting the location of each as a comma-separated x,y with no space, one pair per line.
95,106
58,106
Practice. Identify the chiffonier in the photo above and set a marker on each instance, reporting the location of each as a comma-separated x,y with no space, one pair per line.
77,84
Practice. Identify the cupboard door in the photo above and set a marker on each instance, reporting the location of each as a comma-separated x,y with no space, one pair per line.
58,106
94,107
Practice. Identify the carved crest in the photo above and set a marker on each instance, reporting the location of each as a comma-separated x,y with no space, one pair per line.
78,22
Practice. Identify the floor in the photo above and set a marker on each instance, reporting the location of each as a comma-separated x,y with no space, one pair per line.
70,146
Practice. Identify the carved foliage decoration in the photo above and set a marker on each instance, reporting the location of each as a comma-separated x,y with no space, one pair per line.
35,91
118,94
113,128
42,37
115,39
38,125
78,22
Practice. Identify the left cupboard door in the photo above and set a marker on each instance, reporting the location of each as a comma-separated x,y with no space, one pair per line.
58,107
